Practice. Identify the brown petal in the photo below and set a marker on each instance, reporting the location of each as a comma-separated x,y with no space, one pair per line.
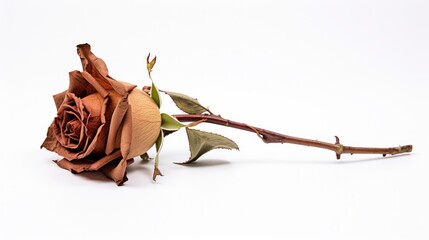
50,142
76,166
97,107
100,65
117,172
59,98
105,160
93,104
83,165
100,89
78,85
87,57
94,141
115,123
98,70
83,50
126,133
128,86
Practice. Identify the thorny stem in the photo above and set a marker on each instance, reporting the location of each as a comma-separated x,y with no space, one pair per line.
273,137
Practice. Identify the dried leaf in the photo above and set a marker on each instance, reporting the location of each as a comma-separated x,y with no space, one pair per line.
201,142
187,104
145,157
150,64
158,145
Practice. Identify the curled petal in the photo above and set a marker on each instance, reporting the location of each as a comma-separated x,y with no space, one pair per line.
117,172
84,165
76,166
59,98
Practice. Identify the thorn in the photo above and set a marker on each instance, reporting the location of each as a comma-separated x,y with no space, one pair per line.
338,156
337,140
384,154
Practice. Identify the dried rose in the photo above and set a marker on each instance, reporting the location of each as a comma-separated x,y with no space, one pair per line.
101,123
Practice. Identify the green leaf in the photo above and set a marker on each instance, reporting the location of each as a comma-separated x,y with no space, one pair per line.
154,93
187,104
159,142
170,123
201,142
158,145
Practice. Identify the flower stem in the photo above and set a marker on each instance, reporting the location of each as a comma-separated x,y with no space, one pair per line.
272,137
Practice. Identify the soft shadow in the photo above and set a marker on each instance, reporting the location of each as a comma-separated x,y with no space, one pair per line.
141,167
358,159
99,176
206,163
372,159
95,176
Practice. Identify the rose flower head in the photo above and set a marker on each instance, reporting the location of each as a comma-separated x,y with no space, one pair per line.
101,123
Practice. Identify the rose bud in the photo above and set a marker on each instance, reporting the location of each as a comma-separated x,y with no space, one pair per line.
101,123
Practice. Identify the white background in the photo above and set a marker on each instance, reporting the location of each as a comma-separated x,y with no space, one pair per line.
314,69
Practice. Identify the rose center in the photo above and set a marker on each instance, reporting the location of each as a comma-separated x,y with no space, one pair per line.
72,129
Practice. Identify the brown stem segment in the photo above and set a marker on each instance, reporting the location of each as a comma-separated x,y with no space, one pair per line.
272,137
